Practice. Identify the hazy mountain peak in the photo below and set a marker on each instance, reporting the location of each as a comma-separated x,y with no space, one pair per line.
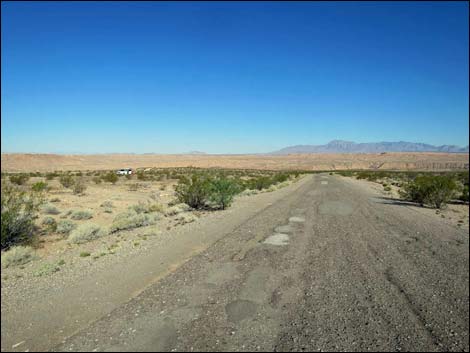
341,146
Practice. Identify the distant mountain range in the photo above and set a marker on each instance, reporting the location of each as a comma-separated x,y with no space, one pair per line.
339,146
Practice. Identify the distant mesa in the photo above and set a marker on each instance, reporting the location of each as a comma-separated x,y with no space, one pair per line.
339,146
196,152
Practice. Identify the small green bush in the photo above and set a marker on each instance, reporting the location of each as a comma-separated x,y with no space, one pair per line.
435,190
51,176
19,179
111,177
66,181
464,195
79,187
222,191
176,209
97,180
81,214
39,186
131,219
49,209
46,269
49,223
64,226
85,254
107,204
85,233
19,210
17,255
194,191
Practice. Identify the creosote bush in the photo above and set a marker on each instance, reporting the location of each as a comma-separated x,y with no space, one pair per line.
39,186
222,192
434,190
19,209
194,191
66,181
19,179
79,187
110,177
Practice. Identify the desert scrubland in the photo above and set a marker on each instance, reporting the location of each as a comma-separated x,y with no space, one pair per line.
389,161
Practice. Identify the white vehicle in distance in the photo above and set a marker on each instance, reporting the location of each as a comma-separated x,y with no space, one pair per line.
124,171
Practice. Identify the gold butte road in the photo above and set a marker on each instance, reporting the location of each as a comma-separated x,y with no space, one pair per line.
326,265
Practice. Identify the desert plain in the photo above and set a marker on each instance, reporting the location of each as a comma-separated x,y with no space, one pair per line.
26,162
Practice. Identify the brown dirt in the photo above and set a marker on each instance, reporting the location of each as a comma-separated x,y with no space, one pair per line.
12,162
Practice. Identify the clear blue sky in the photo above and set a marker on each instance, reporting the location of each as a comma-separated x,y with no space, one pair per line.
231,77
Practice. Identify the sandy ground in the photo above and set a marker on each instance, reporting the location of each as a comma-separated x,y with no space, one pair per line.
388,161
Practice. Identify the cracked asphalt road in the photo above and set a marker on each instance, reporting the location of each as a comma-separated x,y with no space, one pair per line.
329,267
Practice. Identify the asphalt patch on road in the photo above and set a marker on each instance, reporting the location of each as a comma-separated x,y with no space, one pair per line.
339,208
239,310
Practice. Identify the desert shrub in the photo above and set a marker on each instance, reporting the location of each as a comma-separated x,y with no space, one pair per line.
97,180
47,269
107,204
39,186
131,219
249,192
66,181
78,187
176,209
55,199
464,195
51,176
111,177
194,191
66,214
186,218
86,232
19,179
108,210
17,255
141,175
134,186
436,190
260,183
49,223
280,177
146,207
81,214
387,188
49,209
64,226
222,191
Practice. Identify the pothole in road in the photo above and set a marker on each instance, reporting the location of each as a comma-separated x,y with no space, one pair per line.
239,310
296,219
277,239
